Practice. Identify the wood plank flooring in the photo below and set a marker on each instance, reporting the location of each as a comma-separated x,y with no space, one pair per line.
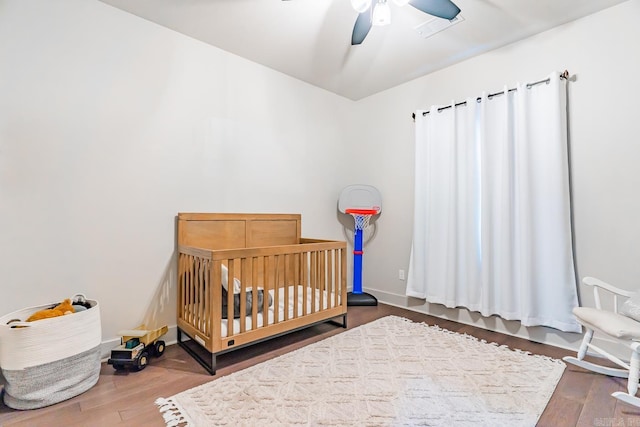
127,399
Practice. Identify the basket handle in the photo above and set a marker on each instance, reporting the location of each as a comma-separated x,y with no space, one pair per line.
18,324
79,298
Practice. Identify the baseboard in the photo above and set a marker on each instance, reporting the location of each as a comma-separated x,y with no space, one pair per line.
540,334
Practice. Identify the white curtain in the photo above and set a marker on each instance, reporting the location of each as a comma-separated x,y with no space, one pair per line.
492,220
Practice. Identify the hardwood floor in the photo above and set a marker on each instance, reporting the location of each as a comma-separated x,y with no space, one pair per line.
127,399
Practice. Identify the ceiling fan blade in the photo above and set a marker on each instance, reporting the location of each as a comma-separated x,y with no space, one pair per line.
441,8
362,27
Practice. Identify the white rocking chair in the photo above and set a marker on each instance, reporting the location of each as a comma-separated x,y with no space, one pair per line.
616,325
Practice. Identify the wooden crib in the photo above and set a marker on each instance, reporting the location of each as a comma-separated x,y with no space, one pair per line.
244,278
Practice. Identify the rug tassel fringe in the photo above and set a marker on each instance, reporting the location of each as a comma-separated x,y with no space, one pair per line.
172,413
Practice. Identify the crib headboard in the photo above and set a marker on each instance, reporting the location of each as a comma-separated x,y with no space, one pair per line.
238,230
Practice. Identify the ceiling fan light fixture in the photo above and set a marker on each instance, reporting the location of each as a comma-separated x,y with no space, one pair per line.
381,14
361,5
401,2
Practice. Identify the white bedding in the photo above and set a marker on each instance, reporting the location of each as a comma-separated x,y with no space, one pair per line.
330,303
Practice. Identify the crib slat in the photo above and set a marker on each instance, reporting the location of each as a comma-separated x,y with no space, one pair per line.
230,311
265,285
276,290
318,292
215,299
296,285
181,269
330,266
314,280
188,280
283,274
285,266
180,307
305,282
243,295
192,291
336,278
197,291
206,299
343,276
185,287
254,292
322,301
193,288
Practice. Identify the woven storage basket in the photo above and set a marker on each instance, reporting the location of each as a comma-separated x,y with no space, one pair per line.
49,360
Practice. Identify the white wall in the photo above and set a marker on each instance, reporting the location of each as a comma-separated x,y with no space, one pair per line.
111,125
599,51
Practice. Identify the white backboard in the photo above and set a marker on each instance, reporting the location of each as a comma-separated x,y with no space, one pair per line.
360,196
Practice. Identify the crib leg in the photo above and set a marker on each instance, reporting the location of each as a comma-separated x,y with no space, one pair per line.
209,365
344,321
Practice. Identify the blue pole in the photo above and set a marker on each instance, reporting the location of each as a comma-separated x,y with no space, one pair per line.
357,261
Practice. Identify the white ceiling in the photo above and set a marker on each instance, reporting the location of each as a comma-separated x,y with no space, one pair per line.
311,39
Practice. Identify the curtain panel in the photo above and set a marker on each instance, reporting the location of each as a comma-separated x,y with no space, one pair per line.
492,218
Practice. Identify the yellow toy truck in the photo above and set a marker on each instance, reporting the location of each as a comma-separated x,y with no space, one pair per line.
136,345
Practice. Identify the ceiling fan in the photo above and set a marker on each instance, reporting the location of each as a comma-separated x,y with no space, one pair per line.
377,12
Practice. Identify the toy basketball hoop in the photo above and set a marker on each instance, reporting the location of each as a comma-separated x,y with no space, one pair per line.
361,217
361,202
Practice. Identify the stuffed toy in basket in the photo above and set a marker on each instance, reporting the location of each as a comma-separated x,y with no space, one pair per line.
53,356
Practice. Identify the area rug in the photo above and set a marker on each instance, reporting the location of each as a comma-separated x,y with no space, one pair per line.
390,372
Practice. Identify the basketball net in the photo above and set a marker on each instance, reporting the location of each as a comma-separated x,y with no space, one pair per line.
361,217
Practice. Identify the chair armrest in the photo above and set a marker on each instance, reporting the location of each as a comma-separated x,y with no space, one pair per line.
592,281
599,284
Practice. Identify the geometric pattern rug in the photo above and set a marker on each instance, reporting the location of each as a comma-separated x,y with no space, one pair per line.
390,372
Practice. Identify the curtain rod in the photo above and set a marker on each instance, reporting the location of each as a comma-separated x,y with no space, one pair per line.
564,75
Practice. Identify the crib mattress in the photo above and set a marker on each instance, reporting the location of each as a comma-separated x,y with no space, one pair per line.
328,301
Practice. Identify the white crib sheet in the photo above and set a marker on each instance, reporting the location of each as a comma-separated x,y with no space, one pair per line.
330,303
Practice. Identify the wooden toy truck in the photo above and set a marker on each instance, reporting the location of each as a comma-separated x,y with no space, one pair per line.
136,345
